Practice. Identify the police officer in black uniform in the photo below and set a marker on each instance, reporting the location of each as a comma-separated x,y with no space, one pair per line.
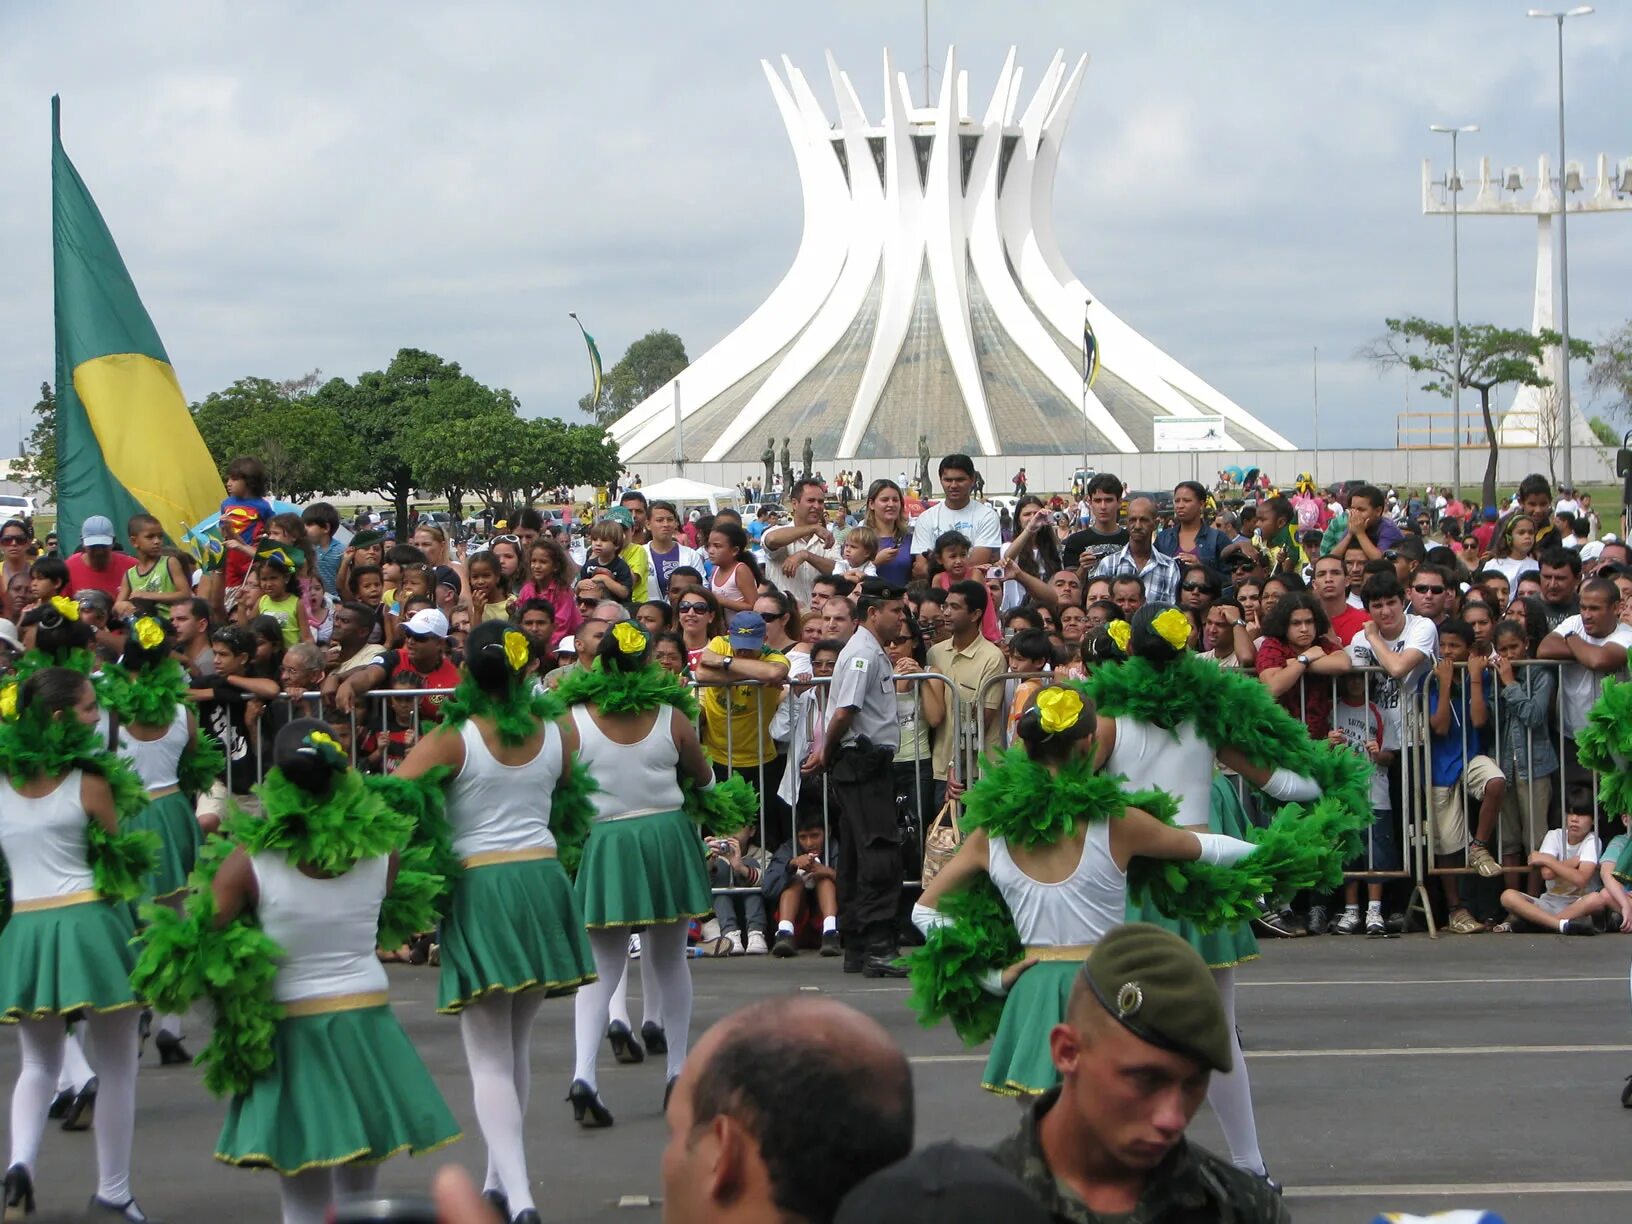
857,753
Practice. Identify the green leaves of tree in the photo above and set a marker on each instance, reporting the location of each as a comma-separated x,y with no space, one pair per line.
649,362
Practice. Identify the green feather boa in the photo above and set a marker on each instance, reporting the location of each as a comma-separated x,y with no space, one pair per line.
515,716
724,809
201,765
627,692
1605,746
33,747
945,973
571,813
186,957
80,660
147,697
422,801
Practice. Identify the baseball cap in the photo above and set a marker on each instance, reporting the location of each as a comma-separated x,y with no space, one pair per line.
946,1183
96,532
1156,986
747,631
567,646
427,622
8,635
620,515
447,576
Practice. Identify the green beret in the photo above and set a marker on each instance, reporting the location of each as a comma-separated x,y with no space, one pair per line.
1156,986
366,537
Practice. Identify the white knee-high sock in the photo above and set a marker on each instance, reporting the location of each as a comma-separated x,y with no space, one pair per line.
355,1180
611,949
76,1071
484,1028
664,947
651,1009
524,1010
40,1043
1231,1095
618,1006
306,1196
114,1042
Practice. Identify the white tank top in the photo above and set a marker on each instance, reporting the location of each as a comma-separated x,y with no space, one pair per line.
1080,909
1180,762
634,779
326,928
494,806
44,841
155,761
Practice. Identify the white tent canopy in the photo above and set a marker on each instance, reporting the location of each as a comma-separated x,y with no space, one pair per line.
683,492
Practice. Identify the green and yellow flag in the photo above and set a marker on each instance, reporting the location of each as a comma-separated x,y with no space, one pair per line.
126,443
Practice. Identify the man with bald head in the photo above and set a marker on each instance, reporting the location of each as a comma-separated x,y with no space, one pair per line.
1138,557
779,1110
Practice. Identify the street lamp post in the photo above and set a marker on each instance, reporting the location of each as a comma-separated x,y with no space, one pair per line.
1454,188
1565,475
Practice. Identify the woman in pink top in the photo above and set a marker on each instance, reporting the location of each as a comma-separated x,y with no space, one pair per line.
550,574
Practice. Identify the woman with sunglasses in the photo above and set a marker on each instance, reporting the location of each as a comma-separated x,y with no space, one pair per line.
782,624
16,555
700,622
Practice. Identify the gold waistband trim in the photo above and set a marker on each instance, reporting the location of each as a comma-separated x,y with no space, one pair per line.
1060,952
323,1004
490,858
50,903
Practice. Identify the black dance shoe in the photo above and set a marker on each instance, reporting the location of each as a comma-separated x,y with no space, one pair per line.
19,1193
82,1113
171,1051
625,1047
652,1034
587,1108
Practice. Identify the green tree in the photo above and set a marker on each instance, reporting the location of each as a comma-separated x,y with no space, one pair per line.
458,438
297,435
1612,371
1491,357
38,469
648,363
377,412
1604,432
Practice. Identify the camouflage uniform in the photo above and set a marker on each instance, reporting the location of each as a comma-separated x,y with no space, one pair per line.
1189,1186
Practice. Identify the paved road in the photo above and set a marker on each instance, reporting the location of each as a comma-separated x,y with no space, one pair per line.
1407,1075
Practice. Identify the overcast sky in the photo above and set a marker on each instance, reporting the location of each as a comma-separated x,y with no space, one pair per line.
315,185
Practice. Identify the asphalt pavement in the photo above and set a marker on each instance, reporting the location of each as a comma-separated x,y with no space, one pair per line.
1404,1075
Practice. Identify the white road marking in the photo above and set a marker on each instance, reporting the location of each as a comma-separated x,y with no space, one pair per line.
1472,1191
1366,1052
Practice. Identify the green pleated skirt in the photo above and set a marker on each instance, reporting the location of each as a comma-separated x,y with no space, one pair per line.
512,927
643,870
1020,1063
173,819
1228,946
344,1087
61,960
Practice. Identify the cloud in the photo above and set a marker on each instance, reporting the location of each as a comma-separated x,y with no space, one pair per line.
311,185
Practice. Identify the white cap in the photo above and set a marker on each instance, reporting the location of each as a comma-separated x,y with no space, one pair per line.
567,645
1591,550
8,635
96,532
427,622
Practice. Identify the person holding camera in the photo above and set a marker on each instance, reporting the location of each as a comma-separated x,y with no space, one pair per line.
857,752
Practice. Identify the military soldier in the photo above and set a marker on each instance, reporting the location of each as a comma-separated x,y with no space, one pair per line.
1143,1031
858,752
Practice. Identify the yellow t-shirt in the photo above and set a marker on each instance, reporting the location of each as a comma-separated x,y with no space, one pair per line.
634,555
746,709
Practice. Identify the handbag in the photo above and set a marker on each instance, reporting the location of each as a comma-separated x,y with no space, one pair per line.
941,840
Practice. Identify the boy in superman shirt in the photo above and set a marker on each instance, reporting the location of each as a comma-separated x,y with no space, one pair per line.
244,514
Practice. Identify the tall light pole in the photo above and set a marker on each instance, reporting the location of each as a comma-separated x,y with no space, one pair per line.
1565,476
1454,189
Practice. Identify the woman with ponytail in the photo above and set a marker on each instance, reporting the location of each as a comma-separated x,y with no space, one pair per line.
512,934
279,936
1062,877
643,862
65,808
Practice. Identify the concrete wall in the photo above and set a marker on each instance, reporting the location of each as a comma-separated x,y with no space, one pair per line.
1400,468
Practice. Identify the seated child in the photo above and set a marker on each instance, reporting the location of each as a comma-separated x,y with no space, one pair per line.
1568,860
802,882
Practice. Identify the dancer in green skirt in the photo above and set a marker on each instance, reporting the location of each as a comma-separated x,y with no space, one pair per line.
511,935
1056,840
280,934
643,861
65,808
157,732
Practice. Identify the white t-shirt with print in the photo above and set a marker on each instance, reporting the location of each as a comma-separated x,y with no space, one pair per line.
1585,851
1418,634
1359,725
1578,686
977,520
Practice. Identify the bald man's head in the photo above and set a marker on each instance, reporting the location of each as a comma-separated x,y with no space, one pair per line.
820,1090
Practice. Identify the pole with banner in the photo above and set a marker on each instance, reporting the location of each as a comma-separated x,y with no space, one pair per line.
594,364
1090,371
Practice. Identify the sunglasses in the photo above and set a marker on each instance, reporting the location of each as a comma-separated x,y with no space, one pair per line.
587,599
770,616
1428,590
13,539
1195,586
692,607
505,539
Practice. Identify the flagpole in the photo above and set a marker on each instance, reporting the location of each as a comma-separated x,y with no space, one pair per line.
1087,365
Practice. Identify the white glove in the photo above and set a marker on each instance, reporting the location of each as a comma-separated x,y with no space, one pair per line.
1221,850
1289,787
992,983
926,919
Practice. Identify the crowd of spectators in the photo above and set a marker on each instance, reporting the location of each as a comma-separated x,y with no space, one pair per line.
1461,657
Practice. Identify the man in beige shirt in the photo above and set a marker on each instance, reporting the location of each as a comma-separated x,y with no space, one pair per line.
970,660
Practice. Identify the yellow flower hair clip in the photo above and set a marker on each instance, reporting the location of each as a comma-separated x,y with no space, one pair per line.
66,608
149,633
8,702
631,639
1174,628
1060,709
323,739
517,651
1121,633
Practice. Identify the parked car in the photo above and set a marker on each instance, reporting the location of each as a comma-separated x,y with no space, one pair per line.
21,506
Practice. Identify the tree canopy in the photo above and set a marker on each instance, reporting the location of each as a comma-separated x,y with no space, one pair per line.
1612,371
38,468
297,435
648,363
